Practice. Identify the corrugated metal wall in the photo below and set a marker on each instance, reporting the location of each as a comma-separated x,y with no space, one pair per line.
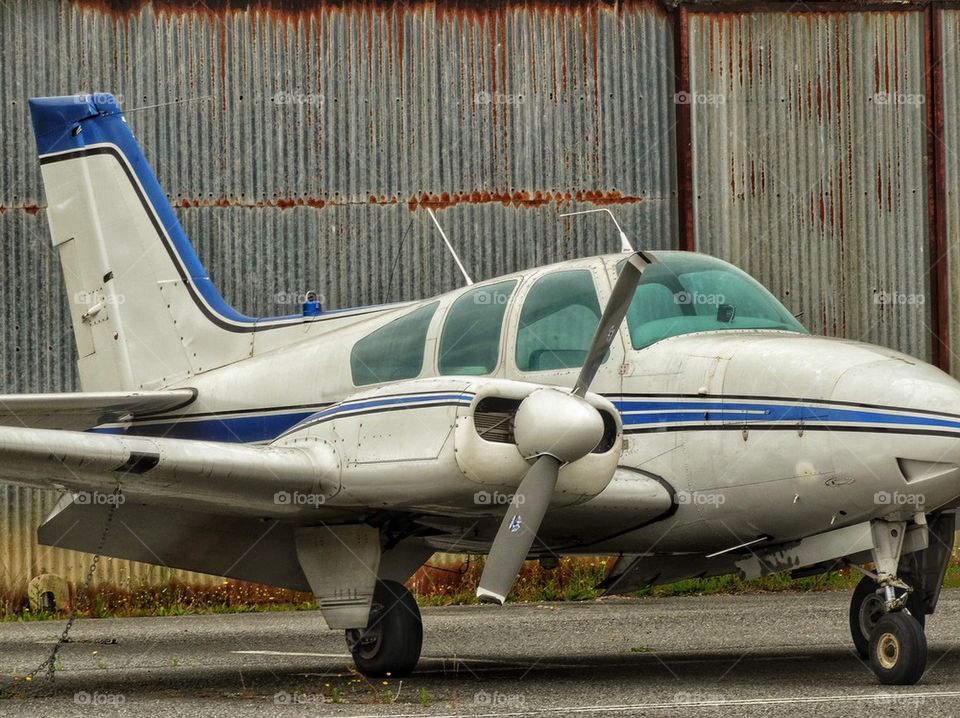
300,145
950,68
810,164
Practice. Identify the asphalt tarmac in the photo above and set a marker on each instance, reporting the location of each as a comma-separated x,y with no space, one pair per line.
757,655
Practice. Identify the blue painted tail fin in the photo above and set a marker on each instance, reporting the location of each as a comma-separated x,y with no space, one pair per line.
144,310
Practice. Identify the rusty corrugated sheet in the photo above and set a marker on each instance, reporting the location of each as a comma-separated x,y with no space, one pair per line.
950,89
810,164
21,558
300,146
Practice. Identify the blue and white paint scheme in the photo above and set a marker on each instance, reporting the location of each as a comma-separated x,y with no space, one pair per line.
731,439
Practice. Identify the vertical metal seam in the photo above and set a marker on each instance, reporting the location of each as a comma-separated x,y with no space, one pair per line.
939,275
684,133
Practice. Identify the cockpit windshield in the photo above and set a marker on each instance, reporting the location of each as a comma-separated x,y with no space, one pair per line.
684,293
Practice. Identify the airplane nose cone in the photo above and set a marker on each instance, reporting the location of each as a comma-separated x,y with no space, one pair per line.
898,381
905,415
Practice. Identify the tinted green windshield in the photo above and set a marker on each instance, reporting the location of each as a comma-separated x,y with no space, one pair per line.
685,293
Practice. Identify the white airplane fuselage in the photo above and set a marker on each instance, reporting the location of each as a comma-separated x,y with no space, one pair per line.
729,437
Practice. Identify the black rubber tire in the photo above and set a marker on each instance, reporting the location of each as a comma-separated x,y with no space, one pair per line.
866,591
898,649
390,645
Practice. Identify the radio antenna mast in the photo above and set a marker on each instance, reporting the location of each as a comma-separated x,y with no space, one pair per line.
625,245
453,252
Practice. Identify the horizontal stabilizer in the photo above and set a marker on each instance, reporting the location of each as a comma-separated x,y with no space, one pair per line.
79,411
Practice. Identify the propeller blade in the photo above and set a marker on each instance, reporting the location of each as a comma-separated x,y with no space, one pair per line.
612,318
518,530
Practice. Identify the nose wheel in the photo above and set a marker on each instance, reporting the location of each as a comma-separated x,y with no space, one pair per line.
867,607
391,642
898,649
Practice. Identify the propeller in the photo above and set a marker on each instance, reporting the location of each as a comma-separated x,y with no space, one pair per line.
554,428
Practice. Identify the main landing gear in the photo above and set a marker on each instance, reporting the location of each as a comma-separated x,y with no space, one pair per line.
390,644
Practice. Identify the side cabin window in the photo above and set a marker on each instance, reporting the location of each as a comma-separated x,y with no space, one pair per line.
394,351
559,318
470,342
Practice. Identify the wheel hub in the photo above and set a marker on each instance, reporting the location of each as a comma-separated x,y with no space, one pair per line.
888,650
871,611
366,642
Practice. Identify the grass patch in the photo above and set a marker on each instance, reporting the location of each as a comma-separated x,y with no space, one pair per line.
573,579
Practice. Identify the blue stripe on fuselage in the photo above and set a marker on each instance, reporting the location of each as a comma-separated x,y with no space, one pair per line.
266,427
634,412
720,411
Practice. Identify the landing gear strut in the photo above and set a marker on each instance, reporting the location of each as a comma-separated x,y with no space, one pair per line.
391,642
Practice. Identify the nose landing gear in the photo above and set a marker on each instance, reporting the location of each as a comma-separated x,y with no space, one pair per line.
891,634
867,607
887,615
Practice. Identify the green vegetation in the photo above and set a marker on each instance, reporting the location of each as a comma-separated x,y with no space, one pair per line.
574,579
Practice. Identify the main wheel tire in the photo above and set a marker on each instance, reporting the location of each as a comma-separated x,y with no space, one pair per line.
867,607
391,642
898,649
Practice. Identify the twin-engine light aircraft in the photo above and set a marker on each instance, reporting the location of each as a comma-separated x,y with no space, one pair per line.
659,406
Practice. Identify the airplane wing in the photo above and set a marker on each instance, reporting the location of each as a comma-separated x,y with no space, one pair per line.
83,410
233,479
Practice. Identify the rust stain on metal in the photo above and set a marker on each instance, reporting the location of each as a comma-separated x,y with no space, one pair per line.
442,200
520,199
228,202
